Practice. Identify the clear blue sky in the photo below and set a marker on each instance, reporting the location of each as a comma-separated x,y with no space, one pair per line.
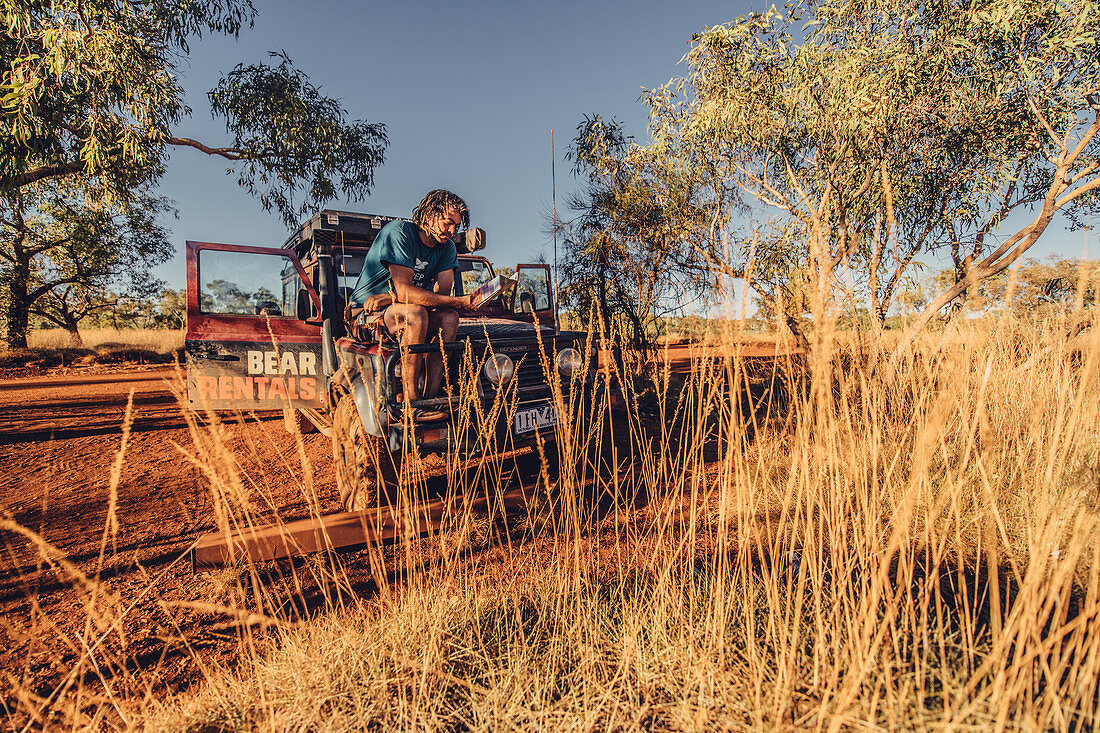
469,91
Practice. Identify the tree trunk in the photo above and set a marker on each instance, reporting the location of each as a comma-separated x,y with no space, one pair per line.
18,306
795,327
601,296
997,262
72,326
962,270
641,343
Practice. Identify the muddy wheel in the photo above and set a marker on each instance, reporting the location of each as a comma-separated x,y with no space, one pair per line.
363,463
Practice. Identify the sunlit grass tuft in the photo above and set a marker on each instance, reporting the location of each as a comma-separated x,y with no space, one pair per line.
49,348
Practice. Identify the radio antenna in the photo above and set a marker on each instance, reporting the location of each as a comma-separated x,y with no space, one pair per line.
554,196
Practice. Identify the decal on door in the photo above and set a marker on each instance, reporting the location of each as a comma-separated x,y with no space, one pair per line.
228,375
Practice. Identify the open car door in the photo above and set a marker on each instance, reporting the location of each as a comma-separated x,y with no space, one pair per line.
253,334
533,293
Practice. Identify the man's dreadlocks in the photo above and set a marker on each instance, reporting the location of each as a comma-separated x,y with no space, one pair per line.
440,201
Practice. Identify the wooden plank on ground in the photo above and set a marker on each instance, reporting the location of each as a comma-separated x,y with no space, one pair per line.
343,531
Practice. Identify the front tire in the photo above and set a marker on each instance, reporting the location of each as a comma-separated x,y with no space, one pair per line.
363,463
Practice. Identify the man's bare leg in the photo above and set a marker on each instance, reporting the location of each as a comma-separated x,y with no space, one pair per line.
412,322
445,323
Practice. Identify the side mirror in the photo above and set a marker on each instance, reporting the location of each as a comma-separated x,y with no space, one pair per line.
527,302
533,282
303,308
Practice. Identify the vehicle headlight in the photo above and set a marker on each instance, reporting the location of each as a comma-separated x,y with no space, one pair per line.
568,362
498,369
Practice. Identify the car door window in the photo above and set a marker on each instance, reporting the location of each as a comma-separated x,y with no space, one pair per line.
236,283
532,289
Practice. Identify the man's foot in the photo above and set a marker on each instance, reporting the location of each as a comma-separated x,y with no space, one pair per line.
425,414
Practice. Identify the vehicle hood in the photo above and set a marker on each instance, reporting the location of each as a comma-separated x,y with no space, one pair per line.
499,328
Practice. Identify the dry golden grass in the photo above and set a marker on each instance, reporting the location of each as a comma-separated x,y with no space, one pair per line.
161,341
48,348
874,545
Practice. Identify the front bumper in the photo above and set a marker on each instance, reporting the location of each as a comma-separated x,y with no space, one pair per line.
482,419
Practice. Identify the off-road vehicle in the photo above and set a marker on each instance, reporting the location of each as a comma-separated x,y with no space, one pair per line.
266,330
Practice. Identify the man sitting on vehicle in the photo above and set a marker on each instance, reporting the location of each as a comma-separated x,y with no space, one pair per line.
407,276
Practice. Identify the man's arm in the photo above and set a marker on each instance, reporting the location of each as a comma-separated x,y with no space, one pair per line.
406,292
444,282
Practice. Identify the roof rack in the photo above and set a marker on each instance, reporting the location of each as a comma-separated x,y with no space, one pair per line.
350,229
358,230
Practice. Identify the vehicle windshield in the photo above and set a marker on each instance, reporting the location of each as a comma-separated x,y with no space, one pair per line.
472,274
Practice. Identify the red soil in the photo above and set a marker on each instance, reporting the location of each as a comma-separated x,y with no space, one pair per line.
59,435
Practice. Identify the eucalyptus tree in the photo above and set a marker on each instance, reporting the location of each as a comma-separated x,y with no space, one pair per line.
873,131
90,92
622,244
806,122
70,305
1017,131
64,257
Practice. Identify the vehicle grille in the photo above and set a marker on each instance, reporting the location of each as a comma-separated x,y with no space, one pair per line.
529,372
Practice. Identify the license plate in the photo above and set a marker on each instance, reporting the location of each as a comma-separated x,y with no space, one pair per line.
535,418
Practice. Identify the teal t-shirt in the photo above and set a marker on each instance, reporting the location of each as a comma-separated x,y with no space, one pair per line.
399,244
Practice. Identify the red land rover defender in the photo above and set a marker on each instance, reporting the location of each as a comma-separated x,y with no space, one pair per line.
266,331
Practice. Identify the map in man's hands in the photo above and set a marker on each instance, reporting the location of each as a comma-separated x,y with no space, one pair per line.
490,290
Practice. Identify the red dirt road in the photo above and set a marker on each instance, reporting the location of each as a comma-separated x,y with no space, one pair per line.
59,436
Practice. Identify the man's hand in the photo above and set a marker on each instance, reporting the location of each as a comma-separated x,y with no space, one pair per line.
377,302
